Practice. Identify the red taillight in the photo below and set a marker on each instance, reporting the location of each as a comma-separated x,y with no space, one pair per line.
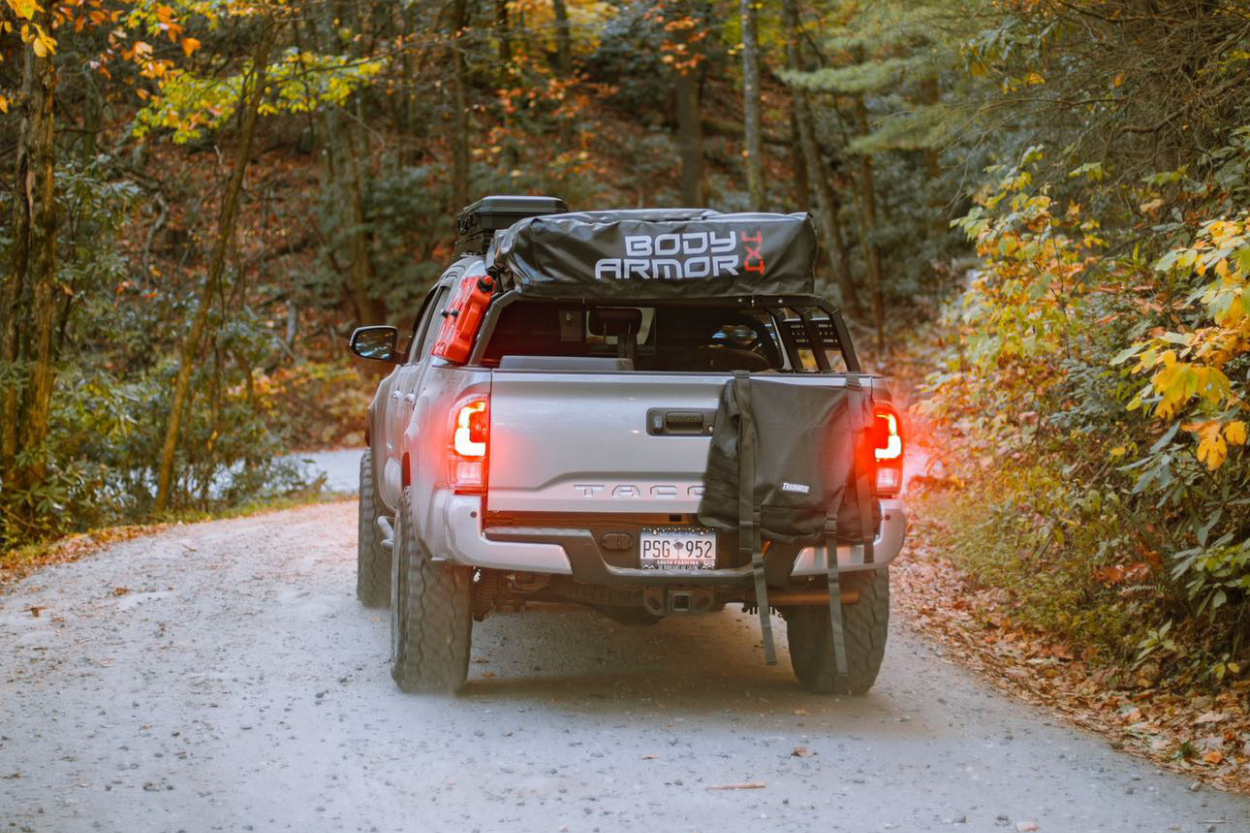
887,442
470,439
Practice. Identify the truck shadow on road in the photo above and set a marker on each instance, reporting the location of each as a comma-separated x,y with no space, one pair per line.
707,666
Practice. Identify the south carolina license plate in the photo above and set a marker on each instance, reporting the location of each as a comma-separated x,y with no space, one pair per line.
677,548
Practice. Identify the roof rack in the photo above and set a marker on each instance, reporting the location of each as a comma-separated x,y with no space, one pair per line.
477,224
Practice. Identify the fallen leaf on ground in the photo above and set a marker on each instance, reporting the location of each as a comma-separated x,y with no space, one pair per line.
754,785
1210,717
1151,716
120,591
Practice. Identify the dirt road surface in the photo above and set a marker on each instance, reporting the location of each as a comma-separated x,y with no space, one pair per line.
221,676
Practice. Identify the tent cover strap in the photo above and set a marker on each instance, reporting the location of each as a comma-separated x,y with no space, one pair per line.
656,254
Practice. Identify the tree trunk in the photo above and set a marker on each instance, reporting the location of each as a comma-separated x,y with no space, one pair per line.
930,94
28,295
221,246
505,34
828,205
689,139
347,158
460,118
357,162
798,166
751,100
868,222
564,40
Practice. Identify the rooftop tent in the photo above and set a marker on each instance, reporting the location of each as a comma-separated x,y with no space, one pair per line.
656,254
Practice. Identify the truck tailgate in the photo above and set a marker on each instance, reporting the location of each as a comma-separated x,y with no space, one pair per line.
580,442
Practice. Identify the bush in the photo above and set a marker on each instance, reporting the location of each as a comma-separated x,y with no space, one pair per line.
1117,505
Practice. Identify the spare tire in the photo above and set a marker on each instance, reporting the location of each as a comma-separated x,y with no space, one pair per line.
865,626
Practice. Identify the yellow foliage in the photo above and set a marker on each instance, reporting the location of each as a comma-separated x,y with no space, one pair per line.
24,9
1212,448
1187,368
1235,432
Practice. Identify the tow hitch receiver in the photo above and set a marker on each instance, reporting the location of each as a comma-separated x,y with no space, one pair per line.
661,601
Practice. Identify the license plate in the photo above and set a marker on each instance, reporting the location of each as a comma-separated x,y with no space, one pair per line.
677,548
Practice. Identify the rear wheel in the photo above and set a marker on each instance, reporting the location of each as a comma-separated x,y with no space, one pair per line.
865,625
432,614
373,561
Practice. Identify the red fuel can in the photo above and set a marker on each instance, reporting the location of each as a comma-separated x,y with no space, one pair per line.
463,317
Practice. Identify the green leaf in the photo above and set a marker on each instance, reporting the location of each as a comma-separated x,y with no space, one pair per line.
1127,353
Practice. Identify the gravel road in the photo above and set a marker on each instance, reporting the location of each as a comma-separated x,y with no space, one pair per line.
221,676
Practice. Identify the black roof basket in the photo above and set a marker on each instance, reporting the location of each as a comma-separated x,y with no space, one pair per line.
478,223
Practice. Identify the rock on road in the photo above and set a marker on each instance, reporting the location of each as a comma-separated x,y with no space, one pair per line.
222,676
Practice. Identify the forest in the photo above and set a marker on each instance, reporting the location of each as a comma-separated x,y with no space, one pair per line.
1035,214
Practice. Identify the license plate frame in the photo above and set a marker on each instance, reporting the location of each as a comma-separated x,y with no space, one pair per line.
689,549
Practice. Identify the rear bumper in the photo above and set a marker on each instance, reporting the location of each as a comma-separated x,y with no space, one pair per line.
461,538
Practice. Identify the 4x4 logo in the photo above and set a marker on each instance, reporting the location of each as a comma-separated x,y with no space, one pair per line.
758,240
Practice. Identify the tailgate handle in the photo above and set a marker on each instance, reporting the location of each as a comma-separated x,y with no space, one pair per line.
690,422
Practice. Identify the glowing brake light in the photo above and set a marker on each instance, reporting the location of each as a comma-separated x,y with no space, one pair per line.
887,442
470,436
470,439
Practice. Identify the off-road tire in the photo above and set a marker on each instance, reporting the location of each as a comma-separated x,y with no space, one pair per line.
865,626
373,561
431,617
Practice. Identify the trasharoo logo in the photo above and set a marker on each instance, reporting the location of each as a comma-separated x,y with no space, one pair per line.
690,255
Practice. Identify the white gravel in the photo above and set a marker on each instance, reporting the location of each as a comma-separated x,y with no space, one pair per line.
238,686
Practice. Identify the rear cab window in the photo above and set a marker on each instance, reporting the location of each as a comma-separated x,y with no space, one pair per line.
663,337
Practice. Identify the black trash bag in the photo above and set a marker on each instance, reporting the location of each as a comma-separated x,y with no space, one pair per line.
804,439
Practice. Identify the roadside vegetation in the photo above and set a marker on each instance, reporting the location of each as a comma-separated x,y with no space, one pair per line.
1091,380
1036,209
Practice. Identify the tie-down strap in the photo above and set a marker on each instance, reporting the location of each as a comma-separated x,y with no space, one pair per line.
748,515
842,682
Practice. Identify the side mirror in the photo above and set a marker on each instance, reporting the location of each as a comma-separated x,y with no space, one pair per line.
377,343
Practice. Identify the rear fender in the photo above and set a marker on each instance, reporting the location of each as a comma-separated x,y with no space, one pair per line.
426,438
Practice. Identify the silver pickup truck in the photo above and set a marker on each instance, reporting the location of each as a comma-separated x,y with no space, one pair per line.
543,436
